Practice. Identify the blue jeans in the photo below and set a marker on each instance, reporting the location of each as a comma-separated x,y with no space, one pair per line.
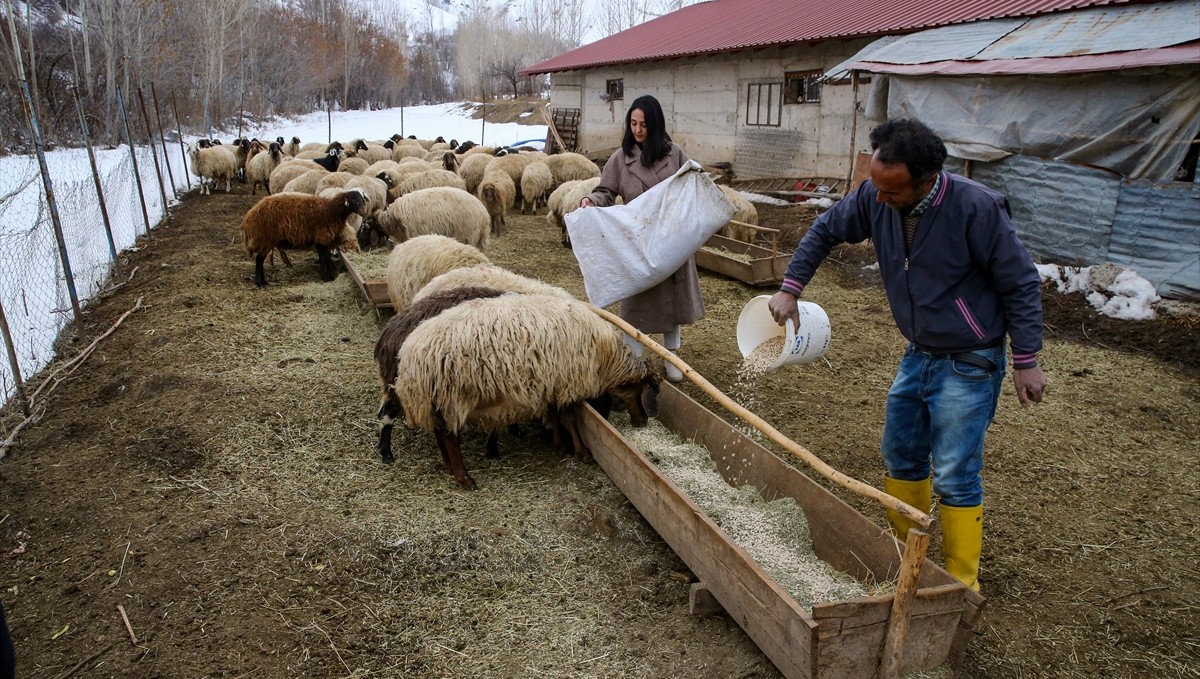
938,410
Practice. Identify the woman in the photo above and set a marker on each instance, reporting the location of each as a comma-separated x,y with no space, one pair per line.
648,156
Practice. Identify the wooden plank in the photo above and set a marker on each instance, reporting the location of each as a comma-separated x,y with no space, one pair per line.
374,291
768,615
762,268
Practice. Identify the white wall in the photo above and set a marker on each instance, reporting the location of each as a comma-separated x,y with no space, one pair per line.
704,99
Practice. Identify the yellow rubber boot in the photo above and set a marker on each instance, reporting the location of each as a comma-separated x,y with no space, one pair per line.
962,540
916,493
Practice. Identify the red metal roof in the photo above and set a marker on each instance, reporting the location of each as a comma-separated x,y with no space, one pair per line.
728,25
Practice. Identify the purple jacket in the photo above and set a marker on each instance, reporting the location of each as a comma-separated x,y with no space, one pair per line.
967,281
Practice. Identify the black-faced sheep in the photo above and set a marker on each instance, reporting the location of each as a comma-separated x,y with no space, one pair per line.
212,164
442,211
417,261
536,182
387,351
298,221
536,357
498,194
259,168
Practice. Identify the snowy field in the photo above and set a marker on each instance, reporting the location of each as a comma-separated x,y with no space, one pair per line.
33,284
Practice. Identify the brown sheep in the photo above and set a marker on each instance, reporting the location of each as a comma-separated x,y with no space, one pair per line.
498,193
298,221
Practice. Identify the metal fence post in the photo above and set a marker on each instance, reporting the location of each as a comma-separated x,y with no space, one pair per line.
182,149
153,151
163,142
87,142
137,175
12,359
54,216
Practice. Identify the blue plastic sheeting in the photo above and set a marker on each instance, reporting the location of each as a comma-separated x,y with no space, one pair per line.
1156,232
1071,214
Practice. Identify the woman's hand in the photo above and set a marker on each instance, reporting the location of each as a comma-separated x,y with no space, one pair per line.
586,202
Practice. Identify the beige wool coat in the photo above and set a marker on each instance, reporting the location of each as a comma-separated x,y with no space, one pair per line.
677,300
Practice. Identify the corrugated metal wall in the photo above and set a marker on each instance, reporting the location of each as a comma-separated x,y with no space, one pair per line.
1070,214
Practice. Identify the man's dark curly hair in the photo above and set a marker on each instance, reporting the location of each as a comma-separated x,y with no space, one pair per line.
910,141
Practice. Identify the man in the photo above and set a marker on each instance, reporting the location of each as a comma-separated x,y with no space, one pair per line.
958,281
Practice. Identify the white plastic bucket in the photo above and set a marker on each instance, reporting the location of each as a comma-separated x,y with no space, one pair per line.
801,345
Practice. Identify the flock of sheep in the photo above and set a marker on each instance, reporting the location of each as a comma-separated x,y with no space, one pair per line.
471,345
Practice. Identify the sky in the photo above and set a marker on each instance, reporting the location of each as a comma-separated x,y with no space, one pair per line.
33,289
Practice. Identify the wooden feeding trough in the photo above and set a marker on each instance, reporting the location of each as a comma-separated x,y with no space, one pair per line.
926,623
749,263
793,188
374,290
838,640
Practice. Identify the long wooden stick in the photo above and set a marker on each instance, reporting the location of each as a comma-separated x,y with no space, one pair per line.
854,485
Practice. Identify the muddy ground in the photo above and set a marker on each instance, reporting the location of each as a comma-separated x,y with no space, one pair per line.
210,469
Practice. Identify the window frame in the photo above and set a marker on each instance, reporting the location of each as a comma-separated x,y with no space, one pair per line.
802,87
773,107
615,89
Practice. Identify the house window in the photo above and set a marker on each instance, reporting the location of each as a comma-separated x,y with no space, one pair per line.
764,104
802,87
615,89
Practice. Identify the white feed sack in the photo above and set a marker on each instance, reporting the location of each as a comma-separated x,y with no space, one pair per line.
625,249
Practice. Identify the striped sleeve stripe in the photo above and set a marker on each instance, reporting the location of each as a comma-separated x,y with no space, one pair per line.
794,287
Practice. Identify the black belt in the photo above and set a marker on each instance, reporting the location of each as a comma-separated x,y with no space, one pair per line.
966,356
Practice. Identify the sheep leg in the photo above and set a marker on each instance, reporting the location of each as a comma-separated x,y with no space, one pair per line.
389,411
451,446
260,278
325,262
493,446
570,422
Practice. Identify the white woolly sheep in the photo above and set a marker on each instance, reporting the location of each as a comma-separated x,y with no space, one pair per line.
387,353
212,165
570,166
472,167
498,194
286,172
357,165
259,168
369,152
512,165
298,221
568,203
418,260
374,188
744,211
429,179
292,147
536,357
400,152
305,183
333,180
536,182
443,211
313,146
488,276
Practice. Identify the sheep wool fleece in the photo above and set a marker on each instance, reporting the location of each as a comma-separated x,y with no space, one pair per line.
677,300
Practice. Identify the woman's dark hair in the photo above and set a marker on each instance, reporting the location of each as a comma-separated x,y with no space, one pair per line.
911,142
658,142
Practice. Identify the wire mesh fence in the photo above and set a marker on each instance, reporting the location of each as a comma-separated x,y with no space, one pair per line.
35,281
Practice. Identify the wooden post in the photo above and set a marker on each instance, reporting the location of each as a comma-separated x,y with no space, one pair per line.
87,142
12,360
902,601
182,150
153,152
163,142
853,128
137,175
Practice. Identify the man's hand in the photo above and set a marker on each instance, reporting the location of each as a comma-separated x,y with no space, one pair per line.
783,306
1030,384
